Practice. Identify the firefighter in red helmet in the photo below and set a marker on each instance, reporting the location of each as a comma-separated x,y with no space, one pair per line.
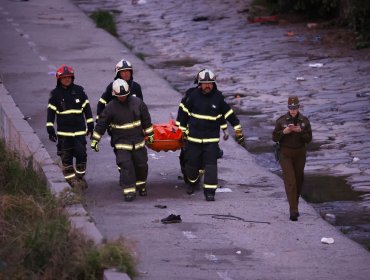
69,107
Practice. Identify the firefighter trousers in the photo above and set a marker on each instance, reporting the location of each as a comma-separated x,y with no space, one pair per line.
292,162
70,148
199,155
134,169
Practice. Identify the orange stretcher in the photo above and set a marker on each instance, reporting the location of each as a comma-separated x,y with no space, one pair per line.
167,137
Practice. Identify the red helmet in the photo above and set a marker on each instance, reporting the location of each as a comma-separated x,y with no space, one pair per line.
64,71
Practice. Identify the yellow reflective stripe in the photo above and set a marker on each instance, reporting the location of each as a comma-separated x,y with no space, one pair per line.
238,127
68,112
203,140
127,125
85,103
183,128
138,183
149,130
80,172
229,113
97,117
224,126
123,147
206,186
205,117
101,100
49,124
77,133
129,147
129,190
177,123
140,145
52,107
89,120
69,176
193,181
182,106
96,135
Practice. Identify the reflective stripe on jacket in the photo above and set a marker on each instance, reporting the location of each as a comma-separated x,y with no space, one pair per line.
71,109
128,121
204,114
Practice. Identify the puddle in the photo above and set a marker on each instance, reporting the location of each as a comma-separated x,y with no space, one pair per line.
324,188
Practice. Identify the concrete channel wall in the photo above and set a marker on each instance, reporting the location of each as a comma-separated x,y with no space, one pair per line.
22,139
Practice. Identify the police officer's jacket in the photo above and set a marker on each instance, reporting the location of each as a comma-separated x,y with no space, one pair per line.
71,108
135,90
129,122
292,140
205,114
181,112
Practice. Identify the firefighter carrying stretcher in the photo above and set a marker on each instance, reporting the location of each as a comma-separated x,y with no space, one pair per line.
129,121
204,110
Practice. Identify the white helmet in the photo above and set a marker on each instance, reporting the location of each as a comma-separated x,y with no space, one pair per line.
206,76
123,65
120,88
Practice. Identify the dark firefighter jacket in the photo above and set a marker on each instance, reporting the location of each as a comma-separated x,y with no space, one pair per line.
128,121
205,114
72,109
135,90
292,140
181,112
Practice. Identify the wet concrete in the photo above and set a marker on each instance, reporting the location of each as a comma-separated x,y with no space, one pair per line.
257,67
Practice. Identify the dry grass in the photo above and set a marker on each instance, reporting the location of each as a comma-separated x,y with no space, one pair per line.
36,237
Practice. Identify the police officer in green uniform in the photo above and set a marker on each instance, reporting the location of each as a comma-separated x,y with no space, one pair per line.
293,132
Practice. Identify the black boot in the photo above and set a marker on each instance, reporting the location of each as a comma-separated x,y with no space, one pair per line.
129,196
209,195
143,192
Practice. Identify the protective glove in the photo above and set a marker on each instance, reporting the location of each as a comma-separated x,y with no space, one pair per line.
239,137
184,137
94,145
226,134
150,139
53,137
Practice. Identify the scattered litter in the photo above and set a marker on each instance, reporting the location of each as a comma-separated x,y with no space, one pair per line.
231,217
290,33
163,174
211,257
238,252
300,79
254,138
327,240
330,218
223,190
160,206
316,65
264,19
189,234
363,94
312,25
355,159
172,219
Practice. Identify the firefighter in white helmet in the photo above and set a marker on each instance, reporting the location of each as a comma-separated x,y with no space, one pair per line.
206,111
129,120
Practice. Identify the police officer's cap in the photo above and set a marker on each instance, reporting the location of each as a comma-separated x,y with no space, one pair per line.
293,102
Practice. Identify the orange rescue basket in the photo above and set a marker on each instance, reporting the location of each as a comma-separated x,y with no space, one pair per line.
167,137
